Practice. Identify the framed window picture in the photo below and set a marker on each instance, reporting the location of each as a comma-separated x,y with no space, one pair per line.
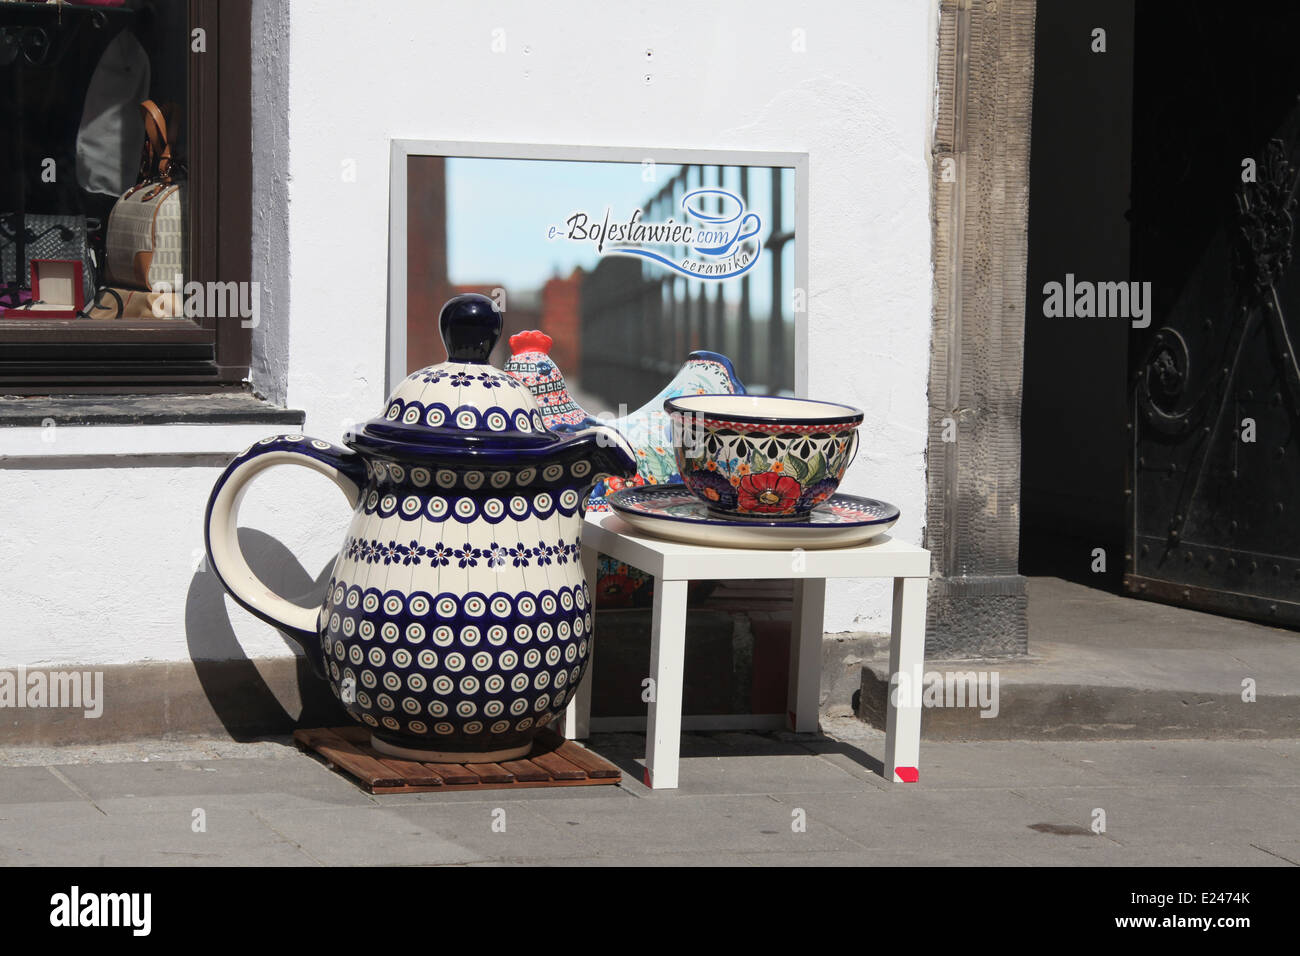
628,259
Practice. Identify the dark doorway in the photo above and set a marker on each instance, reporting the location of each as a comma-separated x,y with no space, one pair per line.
1172,441
1073,441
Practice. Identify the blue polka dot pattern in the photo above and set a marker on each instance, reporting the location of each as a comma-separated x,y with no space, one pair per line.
464,665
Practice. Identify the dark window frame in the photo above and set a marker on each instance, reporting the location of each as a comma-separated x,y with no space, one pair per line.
46,356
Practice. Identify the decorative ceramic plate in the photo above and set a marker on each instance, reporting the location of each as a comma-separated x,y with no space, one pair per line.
670,511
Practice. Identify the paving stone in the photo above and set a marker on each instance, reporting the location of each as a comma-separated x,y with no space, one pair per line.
504,831
722,823
912,820
129,751
375,836
256,783
998,764
1286,852
64,834
866,770
734,763
1109,854
1172,815
1289,749
1202,855
759,775
716,858
977,856
1169,803
34,785
1199,762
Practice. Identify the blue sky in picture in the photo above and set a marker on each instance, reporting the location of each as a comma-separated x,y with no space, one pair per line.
499,212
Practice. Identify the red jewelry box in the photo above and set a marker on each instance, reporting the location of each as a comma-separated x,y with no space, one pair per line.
56,291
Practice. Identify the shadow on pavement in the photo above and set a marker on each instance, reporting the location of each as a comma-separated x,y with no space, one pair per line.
239,695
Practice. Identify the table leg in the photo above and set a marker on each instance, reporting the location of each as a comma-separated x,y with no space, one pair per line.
667,662
906,660
577,715
803,699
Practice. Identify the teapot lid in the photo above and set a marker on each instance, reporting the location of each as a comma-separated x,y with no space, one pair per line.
464,404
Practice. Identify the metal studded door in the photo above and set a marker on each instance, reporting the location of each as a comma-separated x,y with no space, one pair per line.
1214,478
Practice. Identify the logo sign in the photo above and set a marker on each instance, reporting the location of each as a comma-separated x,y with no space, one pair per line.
719,244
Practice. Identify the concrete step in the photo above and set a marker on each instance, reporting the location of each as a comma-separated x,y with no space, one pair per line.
1103,666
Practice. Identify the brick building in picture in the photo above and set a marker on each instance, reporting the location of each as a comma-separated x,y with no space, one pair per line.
562,319
555,308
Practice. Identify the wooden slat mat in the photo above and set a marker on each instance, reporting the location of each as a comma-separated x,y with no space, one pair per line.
553,762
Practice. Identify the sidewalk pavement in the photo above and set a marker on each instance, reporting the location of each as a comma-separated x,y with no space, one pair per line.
746,799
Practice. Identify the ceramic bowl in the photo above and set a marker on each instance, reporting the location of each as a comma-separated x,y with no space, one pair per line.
762,456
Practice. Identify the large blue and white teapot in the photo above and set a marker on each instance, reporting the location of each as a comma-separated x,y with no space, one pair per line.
458,622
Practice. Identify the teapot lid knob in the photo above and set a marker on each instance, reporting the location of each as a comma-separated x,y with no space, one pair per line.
470,325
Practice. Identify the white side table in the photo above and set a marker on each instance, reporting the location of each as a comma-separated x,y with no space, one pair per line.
673,564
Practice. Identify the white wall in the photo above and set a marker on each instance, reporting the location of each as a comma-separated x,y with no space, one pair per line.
97,563
104,565
721,75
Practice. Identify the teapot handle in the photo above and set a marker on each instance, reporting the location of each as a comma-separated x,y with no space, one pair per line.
344,467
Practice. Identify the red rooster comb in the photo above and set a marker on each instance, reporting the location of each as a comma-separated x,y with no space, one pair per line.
533,340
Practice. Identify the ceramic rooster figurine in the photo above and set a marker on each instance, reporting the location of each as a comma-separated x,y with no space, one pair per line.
647,430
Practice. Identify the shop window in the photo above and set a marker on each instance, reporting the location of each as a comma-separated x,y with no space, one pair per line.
125,217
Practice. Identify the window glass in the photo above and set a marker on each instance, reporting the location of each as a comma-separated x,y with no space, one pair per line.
93,182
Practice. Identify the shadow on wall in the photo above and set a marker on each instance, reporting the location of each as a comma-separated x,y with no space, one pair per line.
247,706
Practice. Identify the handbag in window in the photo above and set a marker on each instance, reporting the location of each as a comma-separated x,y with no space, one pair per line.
145,241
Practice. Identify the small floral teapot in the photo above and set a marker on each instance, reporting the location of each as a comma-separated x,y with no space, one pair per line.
458,620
